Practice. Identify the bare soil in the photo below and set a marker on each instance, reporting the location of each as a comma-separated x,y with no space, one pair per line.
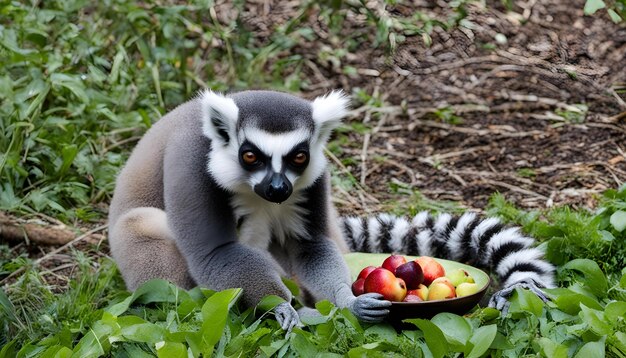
522,132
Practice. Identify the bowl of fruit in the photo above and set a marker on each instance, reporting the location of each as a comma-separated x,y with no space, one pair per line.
418,287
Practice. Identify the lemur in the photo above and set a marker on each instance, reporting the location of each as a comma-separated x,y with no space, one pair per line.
233,191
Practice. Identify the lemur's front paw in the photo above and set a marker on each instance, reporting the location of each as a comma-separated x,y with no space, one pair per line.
286,316
500,299
370,307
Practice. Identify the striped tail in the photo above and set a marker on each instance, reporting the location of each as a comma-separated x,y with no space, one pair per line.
485,243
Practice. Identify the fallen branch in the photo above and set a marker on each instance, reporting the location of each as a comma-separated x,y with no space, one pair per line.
17,231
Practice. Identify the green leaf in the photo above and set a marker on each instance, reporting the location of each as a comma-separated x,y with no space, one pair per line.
569,301
382,331
292,286
591,6
68,153
144,332
594,277
156,290
455,328
435,339
214,313
325,307
526,301
171,349
614,311
89,346
618,220
591,349
596,320
614,16
269,302
481,340
301,345
552,349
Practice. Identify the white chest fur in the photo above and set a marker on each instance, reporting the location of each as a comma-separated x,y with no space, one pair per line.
264,220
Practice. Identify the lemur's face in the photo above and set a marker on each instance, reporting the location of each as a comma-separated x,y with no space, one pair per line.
268,143
273,163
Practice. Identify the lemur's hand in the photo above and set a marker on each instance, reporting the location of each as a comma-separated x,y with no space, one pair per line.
286,316
370,307
500,299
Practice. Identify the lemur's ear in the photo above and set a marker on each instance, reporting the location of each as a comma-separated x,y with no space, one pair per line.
219,117
327,113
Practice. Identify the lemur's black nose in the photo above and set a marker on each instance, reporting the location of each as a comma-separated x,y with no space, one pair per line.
278,189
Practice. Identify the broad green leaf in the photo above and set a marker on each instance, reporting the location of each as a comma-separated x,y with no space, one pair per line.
614,311
594,277
325,307
89,346
144,332
171,350
552,349
214,314
435,339
569,301
269,302
591,6
455,328
591,349
292,286
382,331
120,307
526,301
301,345
273,347
56,351
618,220
595,319
481,340
156,290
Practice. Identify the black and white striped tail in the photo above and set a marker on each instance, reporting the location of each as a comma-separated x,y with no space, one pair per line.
486,243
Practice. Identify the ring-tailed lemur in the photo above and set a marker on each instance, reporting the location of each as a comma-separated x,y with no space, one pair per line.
485,243
233,191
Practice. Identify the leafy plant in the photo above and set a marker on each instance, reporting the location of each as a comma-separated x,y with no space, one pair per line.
616,9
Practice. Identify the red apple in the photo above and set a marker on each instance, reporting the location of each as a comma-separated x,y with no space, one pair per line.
366,271
411,273
392,262
431,269
441,288
358,287
384,282
412,298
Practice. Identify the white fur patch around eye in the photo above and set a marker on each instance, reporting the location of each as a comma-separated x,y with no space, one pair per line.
217,108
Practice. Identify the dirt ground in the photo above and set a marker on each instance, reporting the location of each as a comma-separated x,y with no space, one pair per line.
535,91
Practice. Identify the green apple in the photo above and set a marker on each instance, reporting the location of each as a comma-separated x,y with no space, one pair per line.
466,289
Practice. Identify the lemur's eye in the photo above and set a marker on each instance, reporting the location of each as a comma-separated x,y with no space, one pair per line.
299,158
249,157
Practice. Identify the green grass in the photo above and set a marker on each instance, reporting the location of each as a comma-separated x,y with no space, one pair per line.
82,81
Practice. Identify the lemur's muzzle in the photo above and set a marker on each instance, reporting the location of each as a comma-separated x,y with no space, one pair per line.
275,187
